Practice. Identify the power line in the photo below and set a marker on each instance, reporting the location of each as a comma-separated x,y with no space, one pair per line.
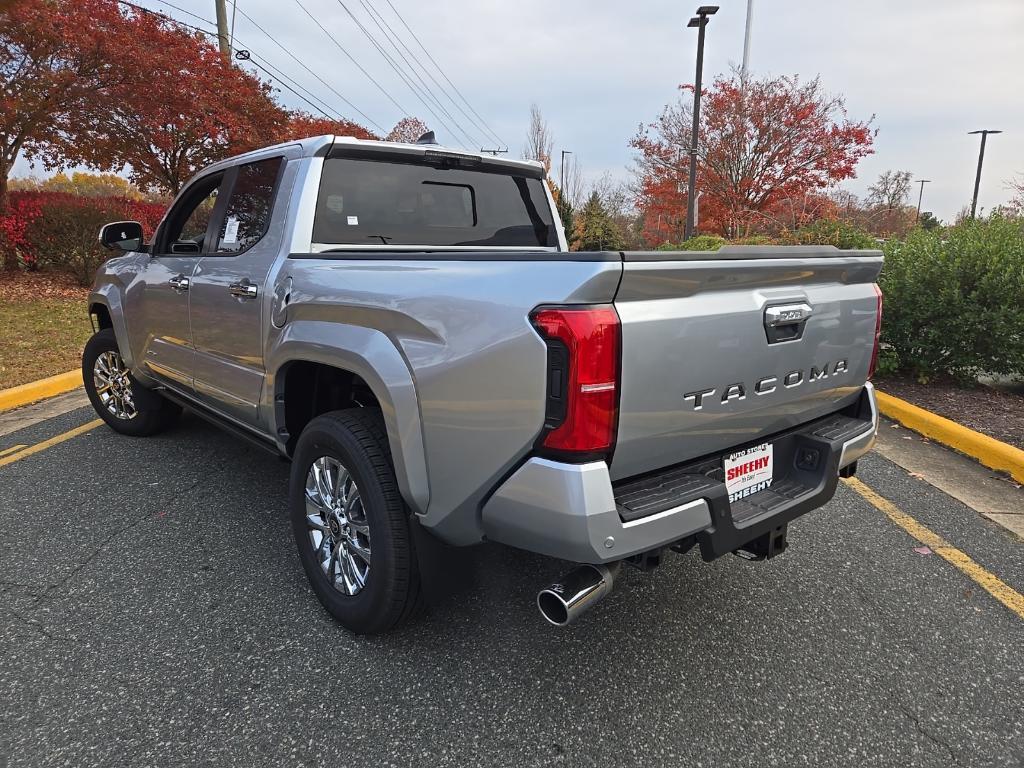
395,41
281,77
265,68
393,38
368,4
338,45
311,100
400,73
483,125
310,71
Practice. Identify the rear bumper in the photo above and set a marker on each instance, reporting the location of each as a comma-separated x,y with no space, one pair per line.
574,512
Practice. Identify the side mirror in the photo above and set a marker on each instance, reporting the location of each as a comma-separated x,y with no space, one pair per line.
122,235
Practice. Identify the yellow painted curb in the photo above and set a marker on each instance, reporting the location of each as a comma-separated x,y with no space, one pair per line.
989,451
39,390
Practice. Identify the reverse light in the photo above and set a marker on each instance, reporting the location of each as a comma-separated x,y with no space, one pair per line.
878,331
583,379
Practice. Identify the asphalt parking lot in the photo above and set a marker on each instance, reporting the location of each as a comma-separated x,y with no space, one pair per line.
153,612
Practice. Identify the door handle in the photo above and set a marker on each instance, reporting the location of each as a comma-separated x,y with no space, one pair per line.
179,283
243,289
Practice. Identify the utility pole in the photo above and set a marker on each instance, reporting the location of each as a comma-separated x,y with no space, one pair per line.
223,36
981,159
561,174
746,42
920,195
700,21
494,152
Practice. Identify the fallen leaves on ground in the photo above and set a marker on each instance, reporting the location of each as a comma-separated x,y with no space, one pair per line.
27,286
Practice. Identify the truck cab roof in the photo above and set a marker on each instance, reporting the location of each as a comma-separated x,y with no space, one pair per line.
320,146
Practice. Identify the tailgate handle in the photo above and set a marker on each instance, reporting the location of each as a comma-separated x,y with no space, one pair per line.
785,322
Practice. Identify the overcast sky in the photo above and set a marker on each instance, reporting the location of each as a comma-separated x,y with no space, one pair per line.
928,70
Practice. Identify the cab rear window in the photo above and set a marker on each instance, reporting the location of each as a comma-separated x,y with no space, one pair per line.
386,202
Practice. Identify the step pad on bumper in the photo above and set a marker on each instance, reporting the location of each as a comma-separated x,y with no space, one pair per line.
806,467
653,494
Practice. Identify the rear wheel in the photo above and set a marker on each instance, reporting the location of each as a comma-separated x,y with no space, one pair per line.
350,523
126,406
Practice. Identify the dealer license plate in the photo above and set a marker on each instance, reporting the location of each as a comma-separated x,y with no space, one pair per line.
748,471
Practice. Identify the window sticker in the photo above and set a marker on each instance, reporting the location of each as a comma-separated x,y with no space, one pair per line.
336,203
231,230
353,221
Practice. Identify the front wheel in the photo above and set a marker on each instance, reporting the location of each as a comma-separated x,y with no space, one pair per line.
126,406
350,523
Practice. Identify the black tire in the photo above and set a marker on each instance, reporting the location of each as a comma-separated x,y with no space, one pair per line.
153,412
392,594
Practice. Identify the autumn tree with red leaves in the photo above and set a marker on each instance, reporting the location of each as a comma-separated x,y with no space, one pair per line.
114,87
55,57
302,125
92,83
185,110
767,150
407,130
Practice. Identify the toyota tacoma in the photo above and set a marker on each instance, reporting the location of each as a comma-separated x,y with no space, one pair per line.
405,324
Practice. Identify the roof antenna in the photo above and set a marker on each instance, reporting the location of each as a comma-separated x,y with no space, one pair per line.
427,138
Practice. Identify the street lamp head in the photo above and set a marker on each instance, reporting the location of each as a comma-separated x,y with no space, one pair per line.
707,10
971,133
695,22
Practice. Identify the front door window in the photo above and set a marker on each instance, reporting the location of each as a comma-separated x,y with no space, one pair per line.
189,220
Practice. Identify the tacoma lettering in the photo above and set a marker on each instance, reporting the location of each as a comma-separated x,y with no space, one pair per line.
766,385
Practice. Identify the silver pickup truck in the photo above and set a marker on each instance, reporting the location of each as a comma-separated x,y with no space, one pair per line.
406,324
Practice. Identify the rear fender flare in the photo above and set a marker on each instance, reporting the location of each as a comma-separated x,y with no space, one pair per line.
372,356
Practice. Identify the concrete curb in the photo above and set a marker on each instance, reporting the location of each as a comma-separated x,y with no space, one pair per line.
989,451
39,390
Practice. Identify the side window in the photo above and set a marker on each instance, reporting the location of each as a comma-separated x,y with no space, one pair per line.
247,214
187,223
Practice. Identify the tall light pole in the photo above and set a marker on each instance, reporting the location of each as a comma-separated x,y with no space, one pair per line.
920,195
700,21
561,174
981,159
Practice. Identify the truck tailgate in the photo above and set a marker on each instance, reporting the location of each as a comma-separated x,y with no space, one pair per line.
722,349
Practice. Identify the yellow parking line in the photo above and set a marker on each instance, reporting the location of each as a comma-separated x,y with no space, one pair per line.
12,449
988,581
13,457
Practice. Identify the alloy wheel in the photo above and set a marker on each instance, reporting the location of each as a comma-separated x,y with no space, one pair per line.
114,385
339,530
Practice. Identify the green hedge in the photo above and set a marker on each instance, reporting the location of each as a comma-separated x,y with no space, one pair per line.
698,243
841,234
954,301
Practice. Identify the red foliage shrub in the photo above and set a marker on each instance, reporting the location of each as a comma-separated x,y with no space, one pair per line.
59,231
22,209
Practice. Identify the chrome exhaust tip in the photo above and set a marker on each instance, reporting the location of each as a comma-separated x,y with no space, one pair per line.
575,593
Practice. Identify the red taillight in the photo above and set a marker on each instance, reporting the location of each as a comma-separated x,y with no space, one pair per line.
878,332
585,375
